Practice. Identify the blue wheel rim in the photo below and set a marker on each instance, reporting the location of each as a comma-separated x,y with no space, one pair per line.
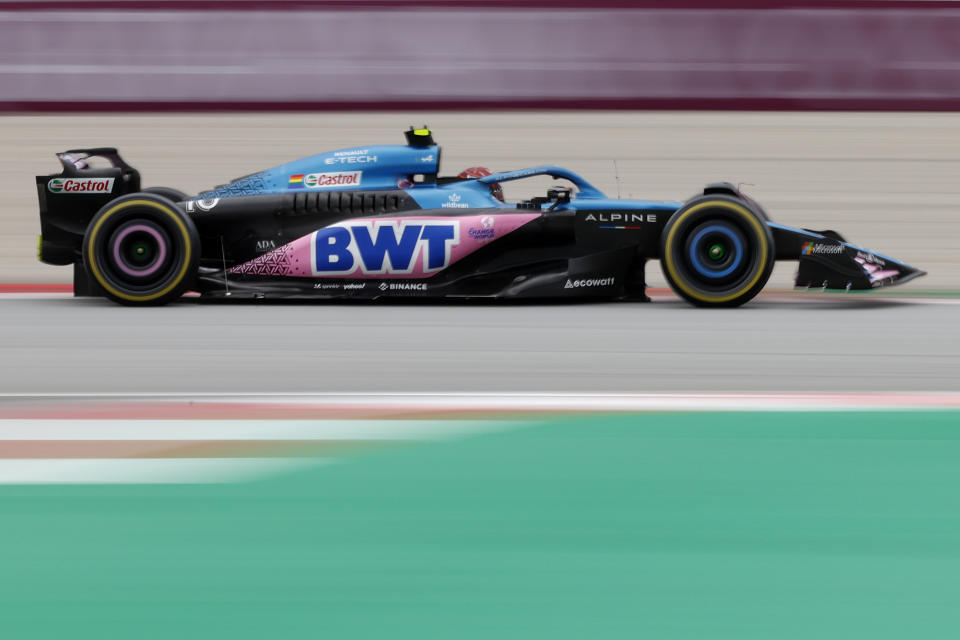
705,270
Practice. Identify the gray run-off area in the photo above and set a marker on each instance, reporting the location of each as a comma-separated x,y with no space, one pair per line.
58,345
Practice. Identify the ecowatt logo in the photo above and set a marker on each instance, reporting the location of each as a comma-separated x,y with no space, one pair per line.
80,185
590,282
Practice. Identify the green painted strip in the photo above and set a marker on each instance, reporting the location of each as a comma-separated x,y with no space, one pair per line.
887,292
928,293
746,525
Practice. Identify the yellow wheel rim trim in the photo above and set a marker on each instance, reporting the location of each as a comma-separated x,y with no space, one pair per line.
672,268
93,263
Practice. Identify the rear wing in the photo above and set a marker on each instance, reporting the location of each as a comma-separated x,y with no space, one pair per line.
69,199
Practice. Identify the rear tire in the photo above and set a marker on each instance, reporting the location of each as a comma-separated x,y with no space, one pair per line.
142,250
168,192
716,251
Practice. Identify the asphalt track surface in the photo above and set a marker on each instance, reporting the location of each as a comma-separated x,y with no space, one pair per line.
809,343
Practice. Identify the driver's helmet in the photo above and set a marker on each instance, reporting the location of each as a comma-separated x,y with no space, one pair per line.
479,172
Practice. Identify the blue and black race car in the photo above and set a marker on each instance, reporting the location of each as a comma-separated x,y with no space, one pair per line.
380,221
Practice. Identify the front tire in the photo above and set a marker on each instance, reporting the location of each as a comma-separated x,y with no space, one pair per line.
716,251
142,250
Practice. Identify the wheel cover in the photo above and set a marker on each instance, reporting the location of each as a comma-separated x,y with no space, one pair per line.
731,273
716,250
139,248
123,275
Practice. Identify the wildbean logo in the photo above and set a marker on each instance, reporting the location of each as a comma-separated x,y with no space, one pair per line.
453,202
80,185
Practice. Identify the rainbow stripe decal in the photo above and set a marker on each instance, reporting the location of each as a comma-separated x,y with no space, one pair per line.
296,181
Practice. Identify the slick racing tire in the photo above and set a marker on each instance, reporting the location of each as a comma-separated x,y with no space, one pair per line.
716,251
142,250
168,192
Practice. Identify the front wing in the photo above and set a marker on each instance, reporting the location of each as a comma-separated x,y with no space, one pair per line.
828,261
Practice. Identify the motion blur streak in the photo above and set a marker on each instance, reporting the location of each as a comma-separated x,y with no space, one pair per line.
126,448
863,55
743,525
143,471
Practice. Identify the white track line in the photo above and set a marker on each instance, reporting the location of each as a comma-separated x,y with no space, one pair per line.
536,402
146,471
258,430
204,470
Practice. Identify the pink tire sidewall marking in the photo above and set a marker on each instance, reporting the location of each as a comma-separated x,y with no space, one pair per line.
152,267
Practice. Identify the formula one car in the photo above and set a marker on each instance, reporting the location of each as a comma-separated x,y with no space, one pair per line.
379,221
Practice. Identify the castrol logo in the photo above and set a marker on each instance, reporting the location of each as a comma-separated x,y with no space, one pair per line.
80,185
334,179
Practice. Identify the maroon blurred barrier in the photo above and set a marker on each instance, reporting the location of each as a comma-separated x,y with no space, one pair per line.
388,55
